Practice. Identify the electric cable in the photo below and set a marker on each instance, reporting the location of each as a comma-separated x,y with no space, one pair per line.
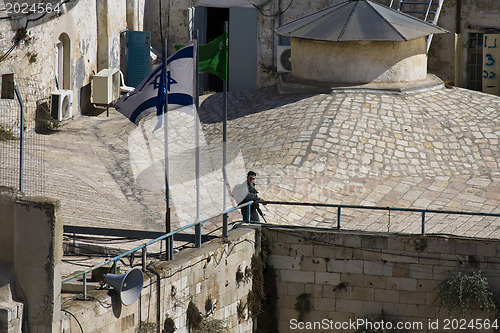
273,15
72,315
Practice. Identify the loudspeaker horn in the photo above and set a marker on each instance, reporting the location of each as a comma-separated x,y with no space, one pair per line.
128,285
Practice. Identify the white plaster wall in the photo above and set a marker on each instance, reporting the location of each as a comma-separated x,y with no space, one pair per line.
79,21
359,62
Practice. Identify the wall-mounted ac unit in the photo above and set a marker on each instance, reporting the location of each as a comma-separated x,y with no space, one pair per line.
106,86
61,104
284,55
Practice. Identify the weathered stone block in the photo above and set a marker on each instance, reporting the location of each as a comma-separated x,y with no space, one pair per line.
295,288
412,297
284,262
384,295
345,266
363,294
323,251
402,284
353,241
348,305
410,310
421,271
313,264
401,270
327,278
427,285
486,249
316,290
323,304
374,242
400,257
377,268
297,276
441,246
362,280
466,247
343,253
367,255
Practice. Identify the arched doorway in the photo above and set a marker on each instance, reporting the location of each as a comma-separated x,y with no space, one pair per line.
63,61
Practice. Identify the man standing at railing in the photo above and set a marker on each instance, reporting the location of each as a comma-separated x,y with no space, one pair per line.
245,193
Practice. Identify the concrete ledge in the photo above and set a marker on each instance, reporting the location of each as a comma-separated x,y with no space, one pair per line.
288,84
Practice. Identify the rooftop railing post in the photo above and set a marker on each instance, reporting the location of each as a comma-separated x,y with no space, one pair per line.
197,236
423,222
338,217
170,248
248,212
144,259
85,286
225,233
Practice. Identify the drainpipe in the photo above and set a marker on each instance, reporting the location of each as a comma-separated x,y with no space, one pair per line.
458,79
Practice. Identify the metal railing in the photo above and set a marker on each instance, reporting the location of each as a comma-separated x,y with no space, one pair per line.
423,212
170,250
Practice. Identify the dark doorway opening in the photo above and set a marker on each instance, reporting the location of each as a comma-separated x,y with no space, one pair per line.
215,27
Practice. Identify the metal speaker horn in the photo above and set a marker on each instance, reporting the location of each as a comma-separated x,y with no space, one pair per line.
128,285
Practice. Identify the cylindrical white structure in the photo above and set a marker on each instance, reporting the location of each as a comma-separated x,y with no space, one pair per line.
354,62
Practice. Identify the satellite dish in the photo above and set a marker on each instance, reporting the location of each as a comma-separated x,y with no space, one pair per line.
128,285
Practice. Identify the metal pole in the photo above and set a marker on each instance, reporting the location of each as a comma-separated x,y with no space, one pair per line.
21,131
168,227
338,217
197,228
84,286
224,145
144,259
423,222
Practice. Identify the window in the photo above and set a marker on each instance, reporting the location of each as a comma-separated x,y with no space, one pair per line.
475,62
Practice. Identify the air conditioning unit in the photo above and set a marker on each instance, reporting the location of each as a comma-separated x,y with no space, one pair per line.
61,104
284,59
106,86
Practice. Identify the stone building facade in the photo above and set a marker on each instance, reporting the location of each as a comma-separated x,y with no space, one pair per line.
63,49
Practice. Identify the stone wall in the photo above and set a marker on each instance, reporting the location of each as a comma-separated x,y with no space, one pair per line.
355,275
196,275
368,61
93,43
30,276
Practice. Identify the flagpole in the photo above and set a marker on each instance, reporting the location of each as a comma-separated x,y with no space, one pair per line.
169,246
197,242
224,140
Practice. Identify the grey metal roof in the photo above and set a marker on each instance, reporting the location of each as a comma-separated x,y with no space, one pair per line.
359,20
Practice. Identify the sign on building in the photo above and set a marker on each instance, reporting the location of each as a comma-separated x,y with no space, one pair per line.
491,64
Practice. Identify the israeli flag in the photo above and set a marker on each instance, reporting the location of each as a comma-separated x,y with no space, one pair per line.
149,96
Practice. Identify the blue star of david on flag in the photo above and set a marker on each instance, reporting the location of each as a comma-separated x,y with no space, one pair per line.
150,95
